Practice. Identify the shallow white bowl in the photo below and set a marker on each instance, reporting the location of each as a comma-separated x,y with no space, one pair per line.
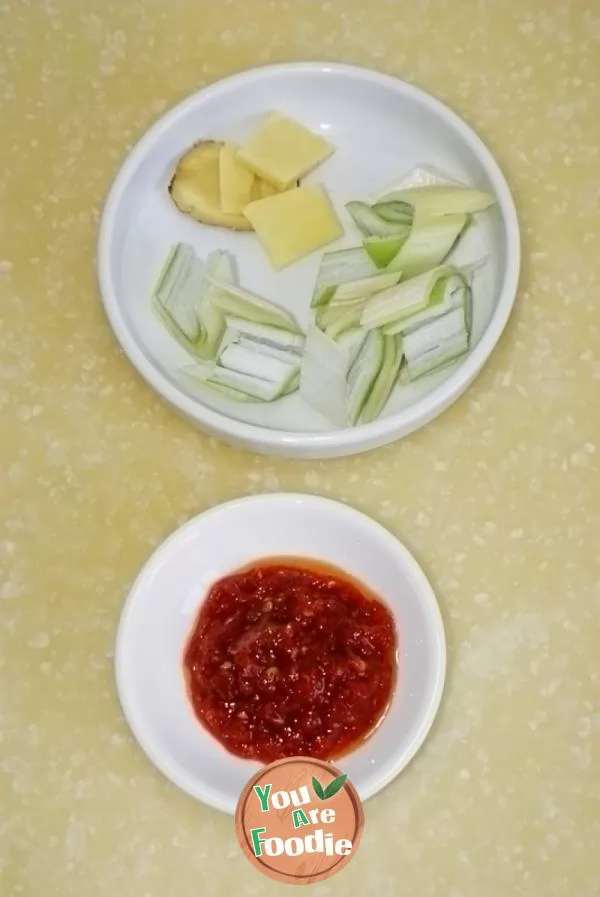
165,599
382,127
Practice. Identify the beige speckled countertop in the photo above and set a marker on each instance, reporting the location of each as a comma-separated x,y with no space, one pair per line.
500,499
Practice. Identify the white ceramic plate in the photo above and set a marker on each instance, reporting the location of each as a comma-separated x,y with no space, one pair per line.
164,603
382,128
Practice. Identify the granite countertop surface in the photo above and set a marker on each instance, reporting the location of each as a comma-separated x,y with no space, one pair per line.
499,499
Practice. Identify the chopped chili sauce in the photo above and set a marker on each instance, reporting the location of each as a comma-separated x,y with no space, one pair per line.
290,658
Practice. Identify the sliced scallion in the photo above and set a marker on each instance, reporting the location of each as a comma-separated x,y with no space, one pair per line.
203,374
409,297
263,337
436,344
234,300
363,373
338,268
385,380
343,318
366,286
247,387
454,293
420,176
383,249
244,360
439,199
371,223
262,352
325,366
395,211
182,299
431,240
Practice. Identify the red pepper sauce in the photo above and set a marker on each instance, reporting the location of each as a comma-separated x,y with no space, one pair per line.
290,658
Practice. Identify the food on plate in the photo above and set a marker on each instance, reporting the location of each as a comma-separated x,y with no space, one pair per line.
416,300
293,224
354,353
209,183
370,332
432,200
383,249
433,314
384,313
413,246
436,344
195,187
254,361
260,354
220,184
247,348
385,380
252,366
235,181
429,243
335,321
237,301
349,379
373,224
261,189
288,657
348,274
415,227
282,150
183,297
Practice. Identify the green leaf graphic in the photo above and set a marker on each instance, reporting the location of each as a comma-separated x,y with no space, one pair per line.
318,788
334,786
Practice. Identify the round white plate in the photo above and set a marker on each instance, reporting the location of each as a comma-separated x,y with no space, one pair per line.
165,599
382,128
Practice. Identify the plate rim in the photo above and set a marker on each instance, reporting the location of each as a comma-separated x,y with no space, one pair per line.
299,443
214,798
